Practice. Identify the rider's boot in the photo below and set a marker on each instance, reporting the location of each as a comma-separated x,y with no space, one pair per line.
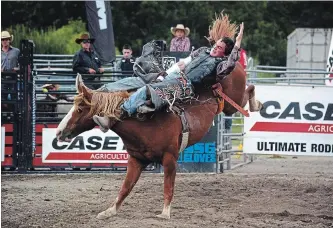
102,122
105,123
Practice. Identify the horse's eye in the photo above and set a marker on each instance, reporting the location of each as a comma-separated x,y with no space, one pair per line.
79,110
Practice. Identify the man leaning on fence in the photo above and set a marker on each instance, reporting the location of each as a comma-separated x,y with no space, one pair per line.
9,63
9,54
86,61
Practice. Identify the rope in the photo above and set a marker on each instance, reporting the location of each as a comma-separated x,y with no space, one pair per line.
33,112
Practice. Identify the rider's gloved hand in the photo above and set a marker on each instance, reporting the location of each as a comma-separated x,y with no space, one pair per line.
161,76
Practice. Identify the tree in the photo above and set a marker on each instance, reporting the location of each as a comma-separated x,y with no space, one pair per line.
267,24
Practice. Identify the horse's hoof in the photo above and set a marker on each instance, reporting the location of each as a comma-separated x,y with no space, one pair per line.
260,106
106,214
163,216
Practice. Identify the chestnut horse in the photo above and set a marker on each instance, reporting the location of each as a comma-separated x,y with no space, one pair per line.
157,139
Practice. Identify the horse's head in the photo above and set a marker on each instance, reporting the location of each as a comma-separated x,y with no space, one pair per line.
79,118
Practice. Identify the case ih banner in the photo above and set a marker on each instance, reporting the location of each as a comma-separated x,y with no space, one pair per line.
296,120
92,146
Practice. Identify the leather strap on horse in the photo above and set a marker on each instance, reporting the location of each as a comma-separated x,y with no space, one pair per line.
220,107
186,130
217,90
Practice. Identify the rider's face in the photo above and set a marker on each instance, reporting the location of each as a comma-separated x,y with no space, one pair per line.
218,49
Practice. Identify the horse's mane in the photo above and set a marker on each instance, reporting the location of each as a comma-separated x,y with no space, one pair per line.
102,103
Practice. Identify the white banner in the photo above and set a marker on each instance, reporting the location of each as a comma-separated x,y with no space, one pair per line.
3,143
92,146
296,120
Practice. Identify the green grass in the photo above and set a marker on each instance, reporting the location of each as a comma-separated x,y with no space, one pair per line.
266,75
237,129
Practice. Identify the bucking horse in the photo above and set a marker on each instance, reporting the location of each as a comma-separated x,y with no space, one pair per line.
162,136
157,139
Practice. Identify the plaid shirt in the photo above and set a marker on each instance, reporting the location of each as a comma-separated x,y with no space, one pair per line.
180,44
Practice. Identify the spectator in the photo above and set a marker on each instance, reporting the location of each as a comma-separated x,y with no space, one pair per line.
85,61
180,42
127,61
9,54
48,88
50,109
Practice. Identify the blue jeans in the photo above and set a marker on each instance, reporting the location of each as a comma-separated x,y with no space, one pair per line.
140,96
135,100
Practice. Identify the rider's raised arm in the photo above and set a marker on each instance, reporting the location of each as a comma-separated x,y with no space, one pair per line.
226,67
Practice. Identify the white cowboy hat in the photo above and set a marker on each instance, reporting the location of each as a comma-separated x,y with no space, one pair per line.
180,27
5,34
56,86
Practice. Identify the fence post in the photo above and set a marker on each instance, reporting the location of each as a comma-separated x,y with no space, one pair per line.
25,92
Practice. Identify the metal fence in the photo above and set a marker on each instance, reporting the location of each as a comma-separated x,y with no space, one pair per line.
230,141
56,69
60,62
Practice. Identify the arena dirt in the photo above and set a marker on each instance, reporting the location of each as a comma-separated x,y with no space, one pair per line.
270,192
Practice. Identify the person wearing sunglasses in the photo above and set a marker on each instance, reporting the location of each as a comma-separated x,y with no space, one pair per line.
86,61
9,54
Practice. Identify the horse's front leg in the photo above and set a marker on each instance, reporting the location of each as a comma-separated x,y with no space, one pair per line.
134,170
169,164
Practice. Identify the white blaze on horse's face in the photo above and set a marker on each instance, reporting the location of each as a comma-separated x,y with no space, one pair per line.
63,124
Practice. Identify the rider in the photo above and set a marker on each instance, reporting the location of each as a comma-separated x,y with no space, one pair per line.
203,64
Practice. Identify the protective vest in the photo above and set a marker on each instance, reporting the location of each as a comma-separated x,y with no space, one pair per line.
127,64
202,66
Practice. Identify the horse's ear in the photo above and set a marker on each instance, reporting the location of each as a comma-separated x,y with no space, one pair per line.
79,83
81,87
87,93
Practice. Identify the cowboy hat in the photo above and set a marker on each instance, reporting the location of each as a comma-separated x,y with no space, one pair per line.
5,34
180,27
47,86
84,37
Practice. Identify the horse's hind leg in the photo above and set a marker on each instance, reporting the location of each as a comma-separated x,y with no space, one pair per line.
254,105
134,170
169,164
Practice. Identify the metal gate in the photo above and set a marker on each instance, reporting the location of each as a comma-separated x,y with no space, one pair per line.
230,140
16,97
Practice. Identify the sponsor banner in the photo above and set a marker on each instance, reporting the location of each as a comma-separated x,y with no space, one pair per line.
3,138
296,120
199,152
92,146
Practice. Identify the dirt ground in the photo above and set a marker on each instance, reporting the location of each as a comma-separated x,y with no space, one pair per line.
267,193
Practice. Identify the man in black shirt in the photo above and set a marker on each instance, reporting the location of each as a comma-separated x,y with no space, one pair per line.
85,61
126,63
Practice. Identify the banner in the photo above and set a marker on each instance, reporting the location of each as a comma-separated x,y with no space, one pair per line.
329,82
200,157
3,142
92,146
296,120
100,27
